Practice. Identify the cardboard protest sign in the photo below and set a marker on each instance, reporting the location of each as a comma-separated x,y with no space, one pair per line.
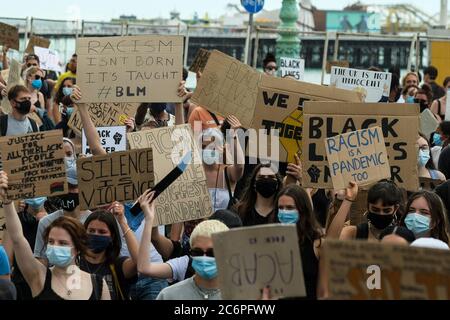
400,126
249,259
34,164
14,78
9,36
428,123
362,270
200,61
112,139
119,176
188,197
358,156
336,63
2,222
228,87
49,59
130,69
292,67
375,86
447,107
36,41
279,105
104,115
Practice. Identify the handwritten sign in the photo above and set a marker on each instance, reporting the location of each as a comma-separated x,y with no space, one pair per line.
248,259
447,107
279,106
428,123
9,36
34,164
104,115
358,156
49,59
375,86
200,60
36,41
188,197
292,67
336,63
119,176
112,139
361,270
13,79
328,119
228,87
130,69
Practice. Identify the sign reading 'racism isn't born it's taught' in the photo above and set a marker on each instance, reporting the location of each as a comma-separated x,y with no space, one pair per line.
358,156
130,69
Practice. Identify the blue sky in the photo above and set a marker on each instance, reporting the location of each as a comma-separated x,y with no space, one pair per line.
105,10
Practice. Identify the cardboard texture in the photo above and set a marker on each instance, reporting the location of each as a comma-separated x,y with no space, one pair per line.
292,67
248,259
200,61
188,197
130,69
228,87
375,86
279,105
13,79
428,123
112,139
104,115
400,126
36,41
49,59
447,106
2,221
358,156
119,176
361,270
336,63
9,36
34,164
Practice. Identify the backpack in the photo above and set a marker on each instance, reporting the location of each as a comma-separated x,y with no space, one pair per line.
4,125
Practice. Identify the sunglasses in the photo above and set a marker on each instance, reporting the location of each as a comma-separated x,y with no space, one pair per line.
197,252
37,77
271,68
32,65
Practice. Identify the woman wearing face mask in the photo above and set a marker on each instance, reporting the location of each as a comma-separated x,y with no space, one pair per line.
438,105
384,202
66,239
408,93
63,106
258,205
294,207
33,81
425,216
425,162
103,257
424,97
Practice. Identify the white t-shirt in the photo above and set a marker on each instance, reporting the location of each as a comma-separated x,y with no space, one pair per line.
179,267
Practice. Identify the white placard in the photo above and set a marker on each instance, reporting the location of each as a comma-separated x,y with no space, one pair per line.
447,107
49,59
292,67
112,139
375,86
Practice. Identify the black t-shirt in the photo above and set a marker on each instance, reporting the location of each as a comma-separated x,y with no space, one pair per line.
255,219
444,162
104,270
438,91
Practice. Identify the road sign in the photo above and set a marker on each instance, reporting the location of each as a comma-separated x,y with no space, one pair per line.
253,6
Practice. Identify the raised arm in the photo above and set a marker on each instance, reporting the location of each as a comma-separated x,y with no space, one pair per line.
145,266
32,270
336,226
179,109
163,245
90,131
293,172
236,170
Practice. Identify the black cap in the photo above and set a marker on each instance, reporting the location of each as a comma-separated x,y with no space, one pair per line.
229,218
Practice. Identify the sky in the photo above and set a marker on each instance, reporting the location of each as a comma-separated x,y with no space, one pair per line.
104,10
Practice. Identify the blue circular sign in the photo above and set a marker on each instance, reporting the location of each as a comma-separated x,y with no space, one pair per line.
253,6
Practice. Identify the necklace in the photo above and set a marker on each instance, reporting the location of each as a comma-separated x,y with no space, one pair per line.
206,294
69,292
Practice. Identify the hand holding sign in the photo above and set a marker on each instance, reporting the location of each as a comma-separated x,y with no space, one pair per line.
76,94
351,192
294,170
147,204
3,186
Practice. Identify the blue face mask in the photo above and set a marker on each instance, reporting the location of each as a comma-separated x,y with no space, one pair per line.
67,91
418,223
211,156
70,162
424,157
36,203
99,243
205,267
409,99
288,216
59,256
36,84
437,140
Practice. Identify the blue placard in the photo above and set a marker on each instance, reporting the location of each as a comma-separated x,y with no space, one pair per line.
253,6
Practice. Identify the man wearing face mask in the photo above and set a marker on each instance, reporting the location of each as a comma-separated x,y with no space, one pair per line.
69,204
17,122
154,115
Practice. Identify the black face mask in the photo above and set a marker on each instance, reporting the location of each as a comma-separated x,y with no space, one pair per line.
380,221
69,201
23,107
266,187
